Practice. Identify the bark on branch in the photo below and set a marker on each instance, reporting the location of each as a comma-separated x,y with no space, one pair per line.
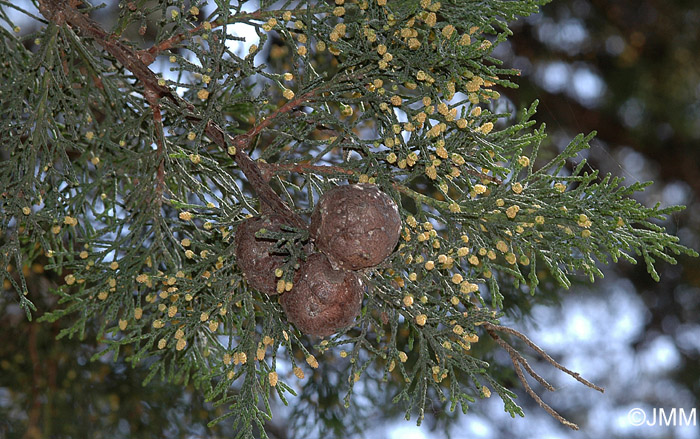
63,12
520,363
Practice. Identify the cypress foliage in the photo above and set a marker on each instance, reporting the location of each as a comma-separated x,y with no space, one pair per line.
132,184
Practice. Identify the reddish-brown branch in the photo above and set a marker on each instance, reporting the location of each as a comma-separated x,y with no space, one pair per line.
244,140
60,12
255,177
150,54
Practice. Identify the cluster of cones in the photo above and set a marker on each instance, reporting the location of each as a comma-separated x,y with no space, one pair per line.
353,227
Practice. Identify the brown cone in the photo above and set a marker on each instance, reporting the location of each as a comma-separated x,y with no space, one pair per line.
356,226
324,300
253,254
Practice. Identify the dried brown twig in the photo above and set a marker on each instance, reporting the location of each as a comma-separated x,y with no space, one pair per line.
519,362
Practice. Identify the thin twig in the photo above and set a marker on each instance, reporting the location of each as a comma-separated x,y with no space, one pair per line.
150,54
520,361
539,400
160,142
304,168
544,355
244,140
483,176
515,355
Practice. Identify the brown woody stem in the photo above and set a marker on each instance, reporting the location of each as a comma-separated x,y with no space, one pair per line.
520,362
62,12
305,168
544,355
149,55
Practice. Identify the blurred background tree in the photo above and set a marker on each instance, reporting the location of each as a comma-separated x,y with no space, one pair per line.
626,68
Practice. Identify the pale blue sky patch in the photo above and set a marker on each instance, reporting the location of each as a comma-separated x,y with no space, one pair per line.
18,18
553,76
676,192
568,35
404,430
588,86
660,355
243,30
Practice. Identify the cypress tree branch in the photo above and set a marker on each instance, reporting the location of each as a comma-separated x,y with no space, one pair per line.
303,168
149,55
61,12
399,93
491,328
152,100
519,361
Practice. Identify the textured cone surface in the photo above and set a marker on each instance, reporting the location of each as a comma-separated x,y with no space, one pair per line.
324,300
253,254
356,226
